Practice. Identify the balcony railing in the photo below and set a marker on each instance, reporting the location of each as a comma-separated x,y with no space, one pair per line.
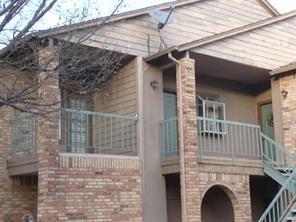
101,133
225,138
169,138
217,138
82,132
23,131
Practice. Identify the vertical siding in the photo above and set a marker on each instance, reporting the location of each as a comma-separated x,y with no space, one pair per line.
121,95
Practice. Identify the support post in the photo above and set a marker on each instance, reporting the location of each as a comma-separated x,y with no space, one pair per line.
188,140
48,136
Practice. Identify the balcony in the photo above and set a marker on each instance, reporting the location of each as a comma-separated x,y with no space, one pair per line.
220,142
80,132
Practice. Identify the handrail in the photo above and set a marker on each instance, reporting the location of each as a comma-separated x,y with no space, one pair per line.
95,132
82,131
135,117
276,154
229,122
228,139
282,202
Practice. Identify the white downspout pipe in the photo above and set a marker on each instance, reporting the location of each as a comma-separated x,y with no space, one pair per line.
181,136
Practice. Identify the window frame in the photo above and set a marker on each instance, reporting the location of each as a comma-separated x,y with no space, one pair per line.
219,127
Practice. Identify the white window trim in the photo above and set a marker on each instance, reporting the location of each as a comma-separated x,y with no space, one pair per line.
205,103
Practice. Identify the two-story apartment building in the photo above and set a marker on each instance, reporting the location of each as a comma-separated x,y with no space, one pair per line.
203,130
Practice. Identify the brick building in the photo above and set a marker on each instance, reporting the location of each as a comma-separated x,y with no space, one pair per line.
201,130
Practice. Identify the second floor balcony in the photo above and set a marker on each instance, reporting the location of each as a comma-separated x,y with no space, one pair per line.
80,132
217,139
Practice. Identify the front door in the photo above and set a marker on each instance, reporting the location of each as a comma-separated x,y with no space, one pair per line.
267,127
266,116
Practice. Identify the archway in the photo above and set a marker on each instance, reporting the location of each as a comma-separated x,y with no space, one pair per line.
217,205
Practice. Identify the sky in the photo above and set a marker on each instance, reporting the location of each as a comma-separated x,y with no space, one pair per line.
63,10
284,5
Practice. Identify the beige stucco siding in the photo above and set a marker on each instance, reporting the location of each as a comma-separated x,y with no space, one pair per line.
190,22
240,104
120,97
269,47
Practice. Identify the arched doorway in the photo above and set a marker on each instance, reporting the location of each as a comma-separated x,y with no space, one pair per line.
217,206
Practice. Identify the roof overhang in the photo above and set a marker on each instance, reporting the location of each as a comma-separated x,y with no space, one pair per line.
269,7
220,36
285,69
131,14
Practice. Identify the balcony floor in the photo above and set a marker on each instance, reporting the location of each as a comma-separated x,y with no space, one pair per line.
217,164
25,164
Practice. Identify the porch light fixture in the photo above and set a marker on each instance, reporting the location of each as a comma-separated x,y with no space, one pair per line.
284,93
154,84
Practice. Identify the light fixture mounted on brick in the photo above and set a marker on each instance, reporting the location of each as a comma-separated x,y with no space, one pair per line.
284,93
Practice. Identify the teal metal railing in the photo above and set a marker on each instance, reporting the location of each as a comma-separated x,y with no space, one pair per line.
95,132
23,133
225,138
276,155
282,162
282,203
221,138
169,138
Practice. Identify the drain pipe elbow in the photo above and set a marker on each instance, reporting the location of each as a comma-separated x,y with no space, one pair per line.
172,58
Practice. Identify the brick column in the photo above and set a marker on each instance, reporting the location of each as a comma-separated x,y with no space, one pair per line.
288,83
48,137
187,128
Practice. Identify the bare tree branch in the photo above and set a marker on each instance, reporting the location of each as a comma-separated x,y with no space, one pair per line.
80,69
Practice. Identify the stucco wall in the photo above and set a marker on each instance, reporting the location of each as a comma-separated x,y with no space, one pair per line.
154,183
240,102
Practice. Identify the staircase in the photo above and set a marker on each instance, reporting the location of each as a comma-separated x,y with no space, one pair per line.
280,165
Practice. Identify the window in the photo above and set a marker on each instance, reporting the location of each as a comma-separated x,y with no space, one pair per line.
212,113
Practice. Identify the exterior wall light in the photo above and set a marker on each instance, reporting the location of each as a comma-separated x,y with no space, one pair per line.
154,84
284,93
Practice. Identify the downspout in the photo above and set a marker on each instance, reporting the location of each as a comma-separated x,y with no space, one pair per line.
181,136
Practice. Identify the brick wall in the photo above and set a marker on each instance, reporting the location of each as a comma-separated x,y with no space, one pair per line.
18,196
91,187
187,128
237,188
288,83
82,187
